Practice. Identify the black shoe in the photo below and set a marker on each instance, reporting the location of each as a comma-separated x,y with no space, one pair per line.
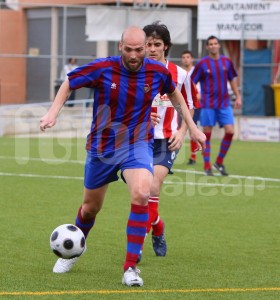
159,244
220,168
208,172
191,162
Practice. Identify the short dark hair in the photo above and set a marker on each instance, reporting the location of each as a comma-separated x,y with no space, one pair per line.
212,37
187,52
70,59
159,31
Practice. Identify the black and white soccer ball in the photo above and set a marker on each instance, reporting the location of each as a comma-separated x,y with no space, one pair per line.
67,241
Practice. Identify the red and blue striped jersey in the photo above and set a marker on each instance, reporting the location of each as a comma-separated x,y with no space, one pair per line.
169,122
213,75
122,100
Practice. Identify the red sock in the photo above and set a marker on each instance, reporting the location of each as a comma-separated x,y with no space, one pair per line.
194,148
84,224
153,211
225,144
136,232
154,219
158,227
207,152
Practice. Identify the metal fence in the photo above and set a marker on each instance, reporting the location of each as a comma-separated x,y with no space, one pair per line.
55,34
24,120
259,63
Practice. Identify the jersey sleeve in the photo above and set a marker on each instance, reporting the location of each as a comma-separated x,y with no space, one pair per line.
195,92
188,92
86,75
168,85
197,73
231,72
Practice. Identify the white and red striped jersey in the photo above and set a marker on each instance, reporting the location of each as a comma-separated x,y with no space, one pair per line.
169,119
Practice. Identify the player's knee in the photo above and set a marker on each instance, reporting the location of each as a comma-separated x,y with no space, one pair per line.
155,191
230,131
140,196
156,186
90,210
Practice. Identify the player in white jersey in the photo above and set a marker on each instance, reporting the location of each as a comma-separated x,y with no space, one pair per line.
168,116
169,132
187,62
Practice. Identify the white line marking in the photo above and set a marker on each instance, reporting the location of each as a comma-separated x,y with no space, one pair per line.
41,176
230,176
16,158
219,184
166,182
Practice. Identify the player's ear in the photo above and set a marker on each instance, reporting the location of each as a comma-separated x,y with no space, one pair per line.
120,46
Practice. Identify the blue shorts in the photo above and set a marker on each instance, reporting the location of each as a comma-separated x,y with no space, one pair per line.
196,115
103,169
210,116
162,155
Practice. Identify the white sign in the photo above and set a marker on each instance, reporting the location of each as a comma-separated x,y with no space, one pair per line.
13,4
237,19
260,129
108,23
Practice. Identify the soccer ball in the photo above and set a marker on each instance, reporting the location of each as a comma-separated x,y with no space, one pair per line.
67,241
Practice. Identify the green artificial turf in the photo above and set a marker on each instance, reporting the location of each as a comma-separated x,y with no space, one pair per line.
222,232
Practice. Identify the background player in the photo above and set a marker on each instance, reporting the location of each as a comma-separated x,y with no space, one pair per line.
188,65
168,134
213,72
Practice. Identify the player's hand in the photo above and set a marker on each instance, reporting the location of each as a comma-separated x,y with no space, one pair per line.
47,122
155,118
237,102
199,137
176,141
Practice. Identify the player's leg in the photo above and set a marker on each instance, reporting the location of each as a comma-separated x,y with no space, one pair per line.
139,183
207,153
193,145
160,173
137,171
98,174
193,150
155,221
226,120
92,204
163,162
93,200
207,120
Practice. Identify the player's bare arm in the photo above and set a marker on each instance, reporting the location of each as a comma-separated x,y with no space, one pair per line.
49,119
178,137
238,101
180,105
155,118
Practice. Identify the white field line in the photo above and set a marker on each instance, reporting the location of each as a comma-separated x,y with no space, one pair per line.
50,160
41,176
166,182
230,176
55,160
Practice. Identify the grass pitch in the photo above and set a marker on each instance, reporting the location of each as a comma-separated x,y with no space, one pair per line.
222,232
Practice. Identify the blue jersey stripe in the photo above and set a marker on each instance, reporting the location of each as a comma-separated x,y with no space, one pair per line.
213,76
122,100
